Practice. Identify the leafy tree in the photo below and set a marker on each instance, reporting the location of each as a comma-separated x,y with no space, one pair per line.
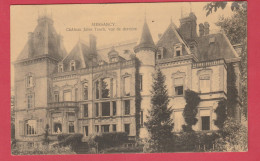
159,123
221,112
214,6
232,93
235,27
190,110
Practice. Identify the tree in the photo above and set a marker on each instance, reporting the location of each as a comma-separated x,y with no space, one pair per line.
190,110
221,112
46,134
235,27
159,123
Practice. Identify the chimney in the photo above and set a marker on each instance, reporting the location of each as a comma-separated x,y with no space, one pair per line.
206,26
30,43
188,26
201,29
92,43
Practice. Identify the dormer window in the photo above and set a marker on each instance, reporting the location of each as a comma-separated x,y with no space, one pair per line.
72,65
60,68
113,60
178,50
160,53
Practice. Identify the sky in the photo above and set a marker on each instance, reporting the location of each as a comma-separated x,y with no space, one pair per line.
125,15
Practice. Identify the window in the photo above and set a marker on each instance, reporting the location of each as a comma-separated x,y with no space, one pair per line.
127,128
60,68
178,53
104,128
105,108
105,87
114,108
142,118
31,127
127,107
160,53
178,50
127,86
204,84
178,86
159,56
72,65
85,106
97,128
30,101
56,96
76,94
141,82
85,128
179,90
113,81
97,109
85,91
29,81
205,123
67,95
57,128
71,127
113,60
97,89
114,128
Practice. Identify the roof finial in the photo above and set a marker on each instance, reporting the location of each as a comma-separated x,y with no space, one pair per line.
171,20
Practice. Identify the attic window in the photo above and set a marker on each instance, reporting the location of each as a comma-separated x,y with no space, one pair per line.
113,59
211,40
160,53
60,68
72,65
178,50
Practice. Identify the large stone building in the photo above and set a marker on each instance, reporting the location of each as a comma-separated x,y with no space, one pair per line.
92,90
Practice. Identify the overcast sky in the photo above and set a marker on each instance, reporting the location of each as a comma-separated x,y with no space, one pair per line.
130,15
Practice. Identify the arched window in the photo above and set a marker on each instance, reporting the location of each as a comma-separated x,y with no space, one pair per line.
127,86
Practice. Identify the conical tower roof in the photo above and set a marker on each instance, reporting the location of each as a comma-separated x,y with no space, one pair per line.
146,40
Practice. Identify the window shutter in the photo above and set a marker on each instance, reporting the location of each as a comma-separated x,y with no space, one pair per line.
21,128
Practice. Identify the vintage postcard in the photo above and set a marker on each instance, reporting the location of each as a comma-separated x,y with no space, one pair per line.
129,78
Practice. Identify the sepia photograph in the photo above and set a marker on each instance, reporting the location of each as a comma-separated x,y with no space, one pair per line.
165,77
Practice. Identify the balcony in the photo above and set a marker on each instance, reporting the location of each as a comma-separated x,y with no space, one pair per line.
209,63
65,104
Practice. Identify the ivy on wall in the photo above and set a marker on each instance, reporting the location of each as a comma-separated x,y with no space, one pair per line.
221,112
232,92
138,97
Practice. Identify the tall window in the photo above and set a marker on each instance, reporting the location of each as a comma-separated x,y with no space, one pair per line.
71,127
205,84
105,108
56,96
72,65
60,68
104,128
127,128
127,107
114,128
30,101
76,94
97,109
178,50
57,128
31,127
29,80
105,87
85,108
127,86
97,128
178,86
205,123
85,91
114,108
85,128
97,89
141,82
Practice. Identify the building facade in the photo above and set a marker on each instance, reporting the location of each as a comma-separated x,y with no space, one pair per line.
92,90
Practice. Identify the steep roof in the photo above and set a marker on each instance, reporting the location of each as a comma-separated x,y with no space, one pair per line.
146,40
44,40
82,55
170,37
215,46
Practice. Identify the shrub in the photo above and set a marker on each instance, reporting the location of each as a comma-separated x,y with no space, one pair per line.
185,141
62,137
134,149
72,140
107,140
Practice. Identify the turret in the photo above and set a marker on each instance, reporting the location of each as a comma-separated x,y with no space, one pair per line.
145,50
